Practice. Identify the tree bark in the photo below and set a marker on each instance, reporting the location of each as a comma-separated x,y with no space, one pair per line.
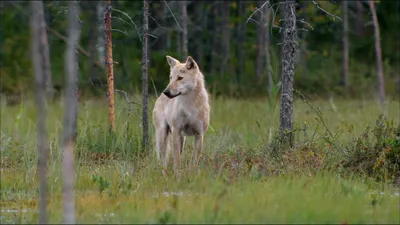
184,28
39,66
345,45
260,48
145,119
43,46
109,64
267,50
359,18
378,52
93,36
289,57
100,30
70,109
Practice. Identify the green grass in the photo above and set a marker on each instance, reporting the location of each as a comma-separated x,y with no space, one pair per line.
237,182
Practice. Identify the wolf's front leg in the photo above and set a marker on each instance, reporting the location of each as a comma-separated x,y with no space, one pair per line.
198,142
162,145
177,143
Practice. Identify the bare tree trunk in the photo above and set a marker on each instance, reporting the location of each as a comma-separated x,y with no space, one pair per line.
184,28
267,49
225,8
145,119
289,57
241,32
93,36
304,42
378,52
359,18
100,31
109,64
44,46
39,65
70,108
260,50
345,45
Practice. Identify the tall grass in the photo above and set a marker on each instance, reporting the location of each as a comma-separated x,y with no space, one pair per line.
239,180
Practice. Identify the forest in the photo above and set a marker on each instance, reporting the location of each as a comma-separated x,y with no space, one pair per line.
302,99
230,48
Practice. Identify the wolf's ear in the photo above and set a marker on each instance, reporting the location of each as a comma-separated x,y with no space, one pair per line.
190,63
171,61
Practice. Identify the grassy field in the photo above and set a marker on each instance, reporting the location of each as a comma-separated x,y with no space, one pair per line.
240,179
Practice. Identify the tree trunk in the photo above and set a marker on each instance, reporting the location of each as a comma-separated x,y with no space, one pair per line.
70,109
260,49
225,8
241,35
145,119
381,82
44,46
289,57
184,28
93,36
267,49
304,42
109,64
39,65
359,18
345,45
100,31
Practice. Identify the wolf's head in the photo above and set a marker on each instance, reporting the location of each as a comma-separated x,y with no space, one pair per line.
182,78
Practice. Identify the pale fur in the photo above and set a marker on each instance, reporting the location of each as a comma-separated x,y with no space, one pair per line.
187,114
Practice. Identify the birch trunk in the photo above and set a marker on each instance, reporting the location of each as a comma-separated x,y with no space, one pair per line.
345,45
378,52
70,109
40,66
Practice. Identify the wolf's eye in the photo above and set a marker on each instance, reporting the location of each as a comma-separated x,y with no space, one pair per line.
180,78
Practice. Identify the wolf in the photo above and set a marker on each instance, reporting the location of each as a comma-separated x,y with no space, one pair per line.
183,109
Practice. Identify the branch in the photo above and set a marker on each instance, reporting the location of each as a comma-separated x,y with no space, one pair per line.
134,24
62,37
323,10
173,15
257,9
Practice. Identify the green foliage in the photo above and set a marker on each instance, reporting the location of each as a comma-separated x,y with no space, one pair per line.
323,53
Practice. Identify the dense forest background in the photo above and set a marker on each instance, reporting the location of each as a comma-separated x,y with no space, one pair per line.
229,48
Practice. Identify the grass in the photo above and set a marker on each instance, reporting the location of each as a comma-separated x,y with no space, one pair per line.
238,180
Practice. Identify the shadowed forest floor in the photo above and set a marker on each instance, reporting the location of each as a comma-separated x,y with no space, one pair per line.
241,178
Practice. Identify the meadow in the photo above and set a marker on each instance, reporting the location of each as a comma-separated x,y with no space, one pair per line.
244,176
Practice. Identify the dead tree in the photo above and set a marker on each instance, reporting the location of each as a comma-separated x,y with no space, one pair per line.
100,29
267,50
41,72
70,108
378,52
43,45
260,47
289,57
145,118
109,65
345,44
184,28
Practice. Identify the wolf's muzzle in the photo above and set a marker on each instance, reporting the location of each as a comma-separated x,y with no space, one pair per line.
169,95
